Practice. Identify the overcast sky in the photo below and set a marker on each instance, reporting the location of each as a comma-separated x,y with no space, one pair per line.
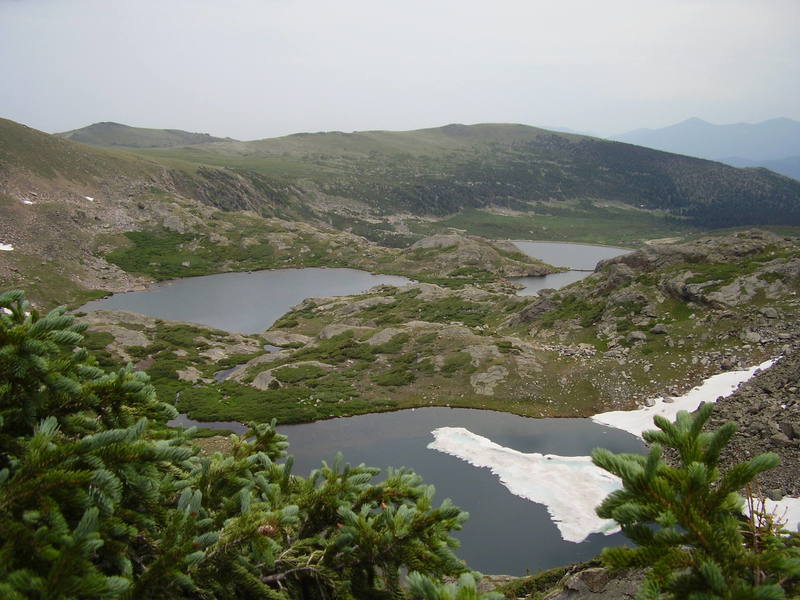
261,68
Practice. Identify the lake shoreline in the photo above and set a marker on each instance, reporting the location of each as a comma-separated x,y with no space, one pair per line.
614,419
573,244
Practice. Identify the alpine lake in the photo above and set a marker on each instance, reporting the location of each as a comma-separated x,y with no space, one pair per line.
505,533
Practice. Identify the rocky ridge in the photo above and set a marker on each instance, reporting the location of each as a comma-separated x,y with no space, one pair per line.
766,410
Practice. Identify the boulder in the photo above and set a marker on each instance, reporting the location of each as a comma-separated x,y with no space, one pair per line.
283,338
593,580
635,337
770,313
265,381
774,494
618,275
482,352
599,584
335,329
750,336
216,353
191,374
384,335
484,383
427,291
456,331
359,305
239,372
173,222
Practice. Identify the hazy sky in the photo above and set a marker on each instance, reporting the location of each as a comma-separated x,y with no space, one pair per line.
261,68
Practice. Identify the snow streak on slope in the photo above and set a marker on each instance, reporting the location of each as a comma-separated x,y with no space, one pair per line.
637,421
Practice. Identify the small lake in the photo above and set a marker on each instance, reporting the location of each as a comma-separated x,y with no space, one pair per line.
250,302
241,302
505,533
583,257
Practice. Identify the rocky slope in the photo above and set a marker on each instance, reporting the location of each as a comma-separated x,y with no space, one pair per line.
766,410
738,290
642,317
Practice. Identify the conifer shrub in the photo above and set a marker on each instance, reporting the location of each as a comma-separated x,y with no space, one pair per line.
687,521
99,500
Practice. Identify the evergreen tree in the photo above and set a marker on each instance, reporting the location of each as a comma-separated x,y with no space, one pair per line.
97,500
687,521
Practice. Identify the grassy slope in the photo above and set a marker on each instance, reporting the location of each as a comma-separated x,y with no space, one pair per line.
571,222
60,239
115,134
51,157
152,219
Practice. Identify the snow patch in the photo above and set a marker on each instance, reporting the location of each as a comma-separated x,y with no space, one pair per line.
640,420
724,384
26,201
787,509
6,247
570,487
89,198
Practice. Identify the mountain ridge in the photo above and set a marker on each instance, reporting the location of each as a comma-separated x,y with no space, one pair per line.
767,143
443,170
110,134
440,171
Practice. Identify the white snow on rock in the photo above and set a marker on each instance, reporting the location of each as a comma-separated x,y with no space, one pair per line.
570,487
724,384
788,510
89,198
26,201
6,247
640,420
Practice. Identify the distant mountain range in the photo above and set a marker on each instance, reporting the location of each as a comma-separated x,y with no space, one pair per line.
444,170
109,135
774,144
